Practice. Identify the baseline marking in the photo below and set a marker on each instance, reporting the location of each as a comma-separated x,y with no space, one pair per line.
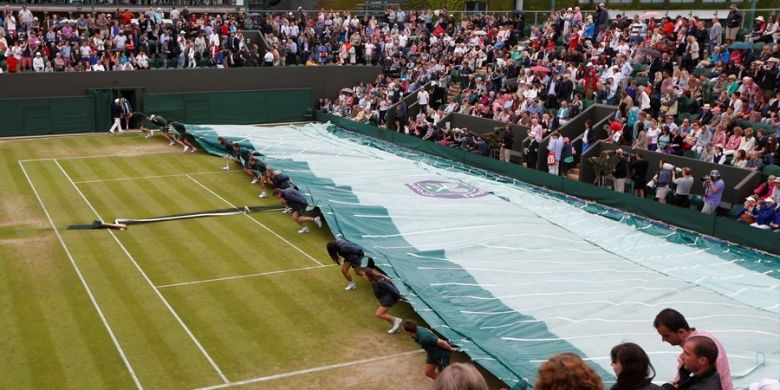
245,276
155,176
257,222
83,282
146,277
308,371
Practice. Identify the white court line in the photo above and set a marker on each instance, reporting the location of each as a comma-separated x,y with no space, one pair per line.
83,282
309,370
96,156
155,176
146,277
258,222
244,276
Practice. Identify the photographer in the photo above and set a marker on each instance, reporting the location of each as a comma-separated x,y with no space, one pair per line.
662,180
639,167
506,144
682,187
713,192
620,171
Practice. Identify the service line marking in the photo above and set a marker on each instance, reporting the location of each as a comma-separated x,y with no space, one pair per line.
156,176
258,222
83,282
309,371
146,277
244,276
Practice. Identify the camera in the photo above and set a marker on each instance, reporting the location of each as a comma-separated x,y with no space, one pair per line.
706,178
670,167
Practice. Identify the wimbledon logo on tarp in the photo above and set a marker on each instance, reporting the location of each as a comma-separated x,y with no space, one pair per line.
446,189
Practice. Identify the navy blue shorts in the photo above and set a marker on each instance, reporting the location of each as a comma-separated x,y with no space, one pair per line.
297,207
355,260
388,301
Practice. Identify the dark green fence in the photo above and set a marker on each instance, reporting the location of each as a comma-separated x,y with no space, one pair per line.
39,116
235,107
720,227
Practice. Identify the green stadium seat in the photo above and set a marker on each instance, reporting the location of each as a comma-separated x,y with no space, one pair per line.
757,47
771,170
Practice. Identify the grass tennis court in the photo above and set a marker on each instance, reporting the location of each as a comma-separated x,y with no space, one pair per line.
195,303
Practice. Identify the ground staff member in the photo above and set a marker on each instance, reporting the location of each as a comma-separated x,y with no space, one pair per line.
387,295
352,254
296,203
438,350
182,136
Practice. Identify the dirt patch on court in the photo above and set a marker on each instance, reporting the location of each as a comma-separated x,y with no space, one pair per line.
131,144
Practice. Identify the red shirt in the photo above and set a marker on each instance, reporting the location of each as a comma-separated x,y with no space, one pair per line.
12,64
574,41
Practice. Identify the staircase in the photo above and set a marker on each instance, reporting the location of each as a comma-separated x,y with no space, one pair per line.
453,91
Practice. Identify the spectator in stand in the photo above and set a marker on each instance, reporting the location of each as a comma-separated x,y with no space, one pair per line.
567,371
554,148
699,361
460,376
733,23
765,214
674,329
749,211
765,189
632,368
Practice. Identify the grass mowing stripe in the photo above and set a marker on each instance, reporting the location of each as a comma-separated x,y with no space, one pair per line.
27,311
83,281
177,251
244,276
156,176
258,222
170,308
309,371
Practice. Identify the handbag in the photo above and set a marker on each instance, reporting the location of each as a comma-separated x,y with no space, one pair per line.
551,159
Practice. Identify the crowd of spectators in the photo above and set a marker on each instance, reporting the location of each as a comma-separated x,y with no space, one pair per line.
124,40
683,86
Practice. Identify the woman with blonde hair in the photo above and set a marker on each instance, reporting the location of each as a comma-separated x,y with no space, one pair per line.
567,371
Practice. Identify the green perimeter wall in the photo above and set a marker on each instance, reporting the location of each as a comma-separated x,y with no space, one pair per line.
37,116
720,227
79,114
238,107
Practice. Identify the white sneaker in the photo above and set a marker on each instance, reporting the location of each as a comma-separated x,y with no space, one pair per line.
151,133
287,210
171,143
186,148
396,325
255,180
304,229
121,131
193,150
350,286
226,168
148,134
318,221
262,195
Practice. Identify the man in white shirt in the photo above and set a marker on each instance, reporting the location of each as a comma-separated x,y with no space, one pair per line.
422,99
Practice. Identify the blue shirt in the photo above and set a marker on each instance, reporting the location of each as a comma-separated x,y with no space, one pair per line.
713,197
556,146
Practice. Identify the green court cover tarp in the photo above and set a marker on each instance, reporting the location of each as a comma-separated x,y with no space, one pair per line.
514,273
